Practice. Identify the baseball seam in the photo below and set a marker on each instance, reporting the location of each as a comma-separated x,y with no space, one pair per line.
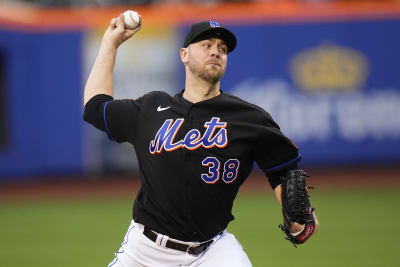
133,20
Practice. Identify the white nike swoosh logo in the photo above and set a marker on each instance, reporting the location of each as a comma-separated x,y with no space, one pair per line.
162,109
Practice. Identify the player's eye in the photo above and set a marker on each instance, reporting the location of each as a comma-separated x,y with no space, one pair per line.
223,49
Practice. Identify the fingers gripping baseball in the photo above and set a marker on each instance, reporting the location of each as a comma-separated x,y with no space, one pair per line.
117,33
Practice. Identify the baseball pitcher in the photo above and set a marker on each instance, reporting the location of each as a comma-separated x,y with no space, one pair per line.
194,149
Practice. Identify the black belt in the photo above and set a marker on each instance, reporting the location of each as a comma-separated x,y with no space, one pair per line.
178,246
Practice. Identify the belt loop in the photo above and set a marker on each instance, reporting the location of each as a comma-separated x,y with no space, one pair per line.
188,248
164,240
159,239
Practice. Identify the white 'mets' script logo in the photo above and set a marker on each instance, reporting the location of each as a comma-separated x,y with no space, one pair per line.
162,109
215,134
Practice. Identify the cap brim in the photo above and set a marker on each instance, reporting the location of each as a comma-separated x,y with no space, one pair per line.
218,32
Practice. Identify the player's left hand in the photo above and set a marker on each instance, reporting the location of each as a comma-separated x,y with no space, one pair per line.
297,227
299,219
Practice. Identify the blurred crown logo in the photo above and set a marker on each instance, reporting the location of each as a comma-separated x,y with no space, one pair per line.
214,24
329,68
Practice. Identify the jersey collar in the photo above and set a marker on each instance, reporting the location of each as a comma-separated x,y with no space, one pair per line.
179,97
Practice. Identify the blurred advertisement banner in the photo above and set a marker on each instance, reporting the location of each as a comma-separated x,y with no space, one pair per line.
328,74
42,103
334,88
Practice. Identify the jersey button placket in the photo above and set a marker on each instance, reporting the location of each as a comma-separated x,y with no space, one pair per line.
191,122
189,158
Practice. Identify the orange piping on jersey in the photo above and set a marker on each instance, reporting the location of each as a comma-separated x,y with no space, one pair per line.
211,135
194,141
172,140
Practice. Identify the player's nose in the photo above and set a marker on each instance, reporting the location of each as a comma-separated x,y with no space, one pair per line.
214,51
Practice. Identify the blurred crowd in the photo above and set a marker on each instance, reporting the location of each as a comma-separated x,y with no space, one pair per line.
66,3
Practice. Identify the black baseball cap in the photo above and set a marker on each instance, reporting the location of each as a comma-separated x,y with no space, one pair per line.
206,29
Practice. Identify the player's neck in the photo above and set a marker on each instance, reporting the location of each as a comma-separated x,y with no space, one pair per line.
197,90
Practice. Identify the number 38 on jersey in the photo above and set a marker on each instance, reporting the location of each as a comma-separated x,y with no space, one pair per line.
215,135
229,174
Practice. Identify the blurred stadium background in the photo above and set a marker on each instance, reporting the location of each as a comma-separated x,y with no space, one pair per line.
327,71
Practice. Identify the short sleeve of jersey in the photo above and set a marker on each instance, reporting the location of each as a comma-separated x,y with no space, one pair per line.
117,118
275,151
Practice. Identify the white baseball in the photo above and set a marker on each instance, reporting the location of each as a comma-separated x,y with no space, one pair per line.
131,19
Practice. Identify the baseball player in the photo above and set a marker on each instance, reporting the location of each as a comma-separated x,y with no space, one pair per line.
194,149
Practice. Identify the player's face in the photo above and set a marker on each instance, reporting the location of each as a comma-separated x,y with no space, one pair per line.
207,59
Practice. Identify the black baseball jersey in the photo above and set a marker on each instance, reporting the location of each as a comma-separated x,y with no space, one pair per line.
192,157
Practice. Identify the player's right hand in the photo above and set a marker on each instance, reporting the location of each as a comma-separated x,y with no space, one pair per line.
116,32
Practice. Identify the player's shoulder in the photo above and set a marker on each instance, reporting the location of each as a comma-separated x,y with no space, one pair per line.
156,94
155,97
256,111
240,101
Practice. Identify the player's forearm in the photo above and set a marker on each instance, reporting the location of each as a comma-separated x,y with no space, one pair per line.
100,79
278,191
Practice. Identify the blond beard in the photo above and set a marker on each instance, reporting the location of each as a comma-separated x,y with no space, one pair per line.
211,77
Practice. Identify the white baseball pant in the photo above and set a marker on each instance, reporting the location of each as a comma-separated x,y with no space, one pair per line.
138,250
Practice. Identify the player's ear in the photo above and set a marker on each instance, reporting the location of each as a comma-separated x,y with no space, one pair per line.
184,55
